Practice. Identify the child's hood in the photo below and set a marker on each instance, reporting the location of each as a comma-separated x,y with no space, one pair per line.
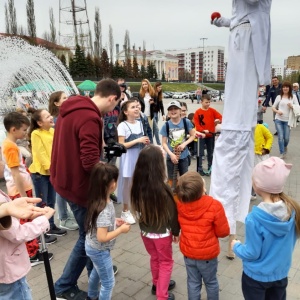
196,209
273,224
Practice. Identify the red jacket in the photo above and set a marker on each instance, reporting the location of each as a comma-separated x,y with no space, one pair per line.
202,222
208,118
76,148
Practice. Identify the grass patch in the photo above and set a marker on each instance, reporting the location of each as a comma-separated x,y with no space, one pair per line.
173,86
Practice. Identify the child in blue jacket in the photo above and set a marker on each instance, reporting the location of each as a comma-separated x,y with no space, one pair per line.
272,229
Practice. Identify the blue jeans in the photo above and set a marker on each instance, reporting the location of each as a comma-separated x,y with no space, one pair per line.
44,190
102,272
183,166
78,258
17,290
253,289
62,207
283,131
198,270
156,129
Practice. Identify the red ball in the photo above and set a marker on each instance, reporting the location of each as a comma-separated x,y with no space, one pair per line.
215,15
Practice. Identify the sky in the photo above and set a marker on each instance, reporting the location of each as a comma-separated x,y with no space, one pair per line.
169,24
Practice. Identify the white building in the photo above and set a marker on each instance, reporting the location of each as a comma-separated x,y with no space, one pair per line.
190,60
278,70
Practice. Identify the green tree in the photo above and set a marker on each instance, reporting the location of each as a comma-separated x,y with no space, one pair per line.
90,66
80,64
143,72
118,71
105,64
135,68
97,65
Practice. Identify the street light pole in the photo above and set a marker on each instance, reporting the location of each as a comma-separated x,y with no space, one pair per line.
203,39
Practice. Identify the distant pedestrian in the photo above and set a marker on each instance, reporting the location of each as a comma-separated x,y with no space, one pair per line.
281,107
198,94
272,229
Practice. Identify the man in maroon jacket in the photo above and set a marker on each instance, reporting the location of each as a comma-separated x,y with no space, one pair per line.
76,149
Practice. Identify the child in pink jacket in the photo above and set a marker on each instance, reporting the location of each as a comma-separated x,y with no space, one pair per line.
14,262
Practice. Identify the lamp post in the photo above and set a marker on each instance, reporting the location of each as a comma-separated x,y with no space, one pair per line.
203,39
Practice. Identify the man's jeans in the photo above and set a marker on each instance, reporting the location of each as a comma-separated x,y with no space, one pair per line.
78,258
44,190
283,131
17,290
198,270
62,207
102,272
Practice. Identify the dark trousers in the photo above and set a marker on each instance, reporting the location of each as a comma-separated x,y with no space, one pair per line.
257,290
210,145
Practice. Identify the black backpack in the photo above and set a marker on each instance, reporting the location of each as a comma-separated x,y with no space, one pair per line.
185,128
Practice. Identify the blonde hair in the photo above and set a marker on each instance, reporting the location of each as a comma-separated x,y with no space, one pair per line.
291,205
190,187
150,89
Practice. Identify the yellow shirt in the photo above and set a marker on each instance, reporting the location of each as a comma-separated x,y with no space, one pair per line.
41,147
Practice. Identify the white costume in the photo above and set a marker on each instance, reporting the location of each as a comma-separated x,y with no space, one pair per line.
248,67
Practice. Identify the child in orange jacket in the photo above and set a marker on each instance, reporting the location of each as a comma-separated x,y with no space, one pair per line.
205,119
202,220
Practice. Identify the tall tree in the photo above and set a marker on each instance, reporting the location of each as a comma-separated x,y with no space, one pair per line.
91,48
135,68
12,17
144,54
7,19
98,33
111,44
105,64
31,18
53,36
90,66
127,46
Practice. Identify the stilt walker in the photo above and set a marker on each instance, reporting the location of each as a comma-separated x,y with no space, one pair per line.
248,67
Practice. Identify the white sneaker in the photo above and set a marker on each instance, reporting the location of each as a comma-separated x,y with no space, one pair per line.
68,224
281,156
127,217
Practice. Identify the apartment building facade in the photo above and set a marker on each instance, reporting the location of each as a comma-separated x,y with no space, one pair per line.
210,66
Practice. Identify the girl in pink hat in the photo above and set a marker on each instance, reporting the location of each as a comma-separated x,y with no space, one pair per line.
272,229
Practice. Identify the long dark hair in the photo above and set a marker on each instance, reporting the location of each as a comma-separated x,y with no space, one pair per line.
101,177
289,85
35,118
54,98
159,95
122,115
149,192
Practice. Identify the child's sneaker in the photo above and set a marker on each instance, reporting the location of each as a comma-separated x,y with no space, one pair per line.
72,293
48,239
56,231
127,217
39,258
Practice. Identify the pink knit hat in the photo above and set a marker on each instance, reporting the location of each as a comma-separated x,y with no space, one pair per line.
270,175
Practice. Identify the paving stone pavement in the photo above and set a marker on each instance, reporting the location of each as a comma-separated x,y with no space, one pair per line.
133,280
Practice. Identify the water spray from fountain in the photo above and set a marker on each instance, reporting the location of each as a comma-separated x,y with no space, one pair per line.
30,71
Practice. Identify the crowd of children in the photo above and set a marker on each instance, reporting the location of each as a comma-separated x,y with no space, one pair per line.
169,208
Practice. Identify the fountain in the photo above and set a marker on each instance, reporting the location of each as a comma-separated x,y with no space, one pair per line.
30,71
